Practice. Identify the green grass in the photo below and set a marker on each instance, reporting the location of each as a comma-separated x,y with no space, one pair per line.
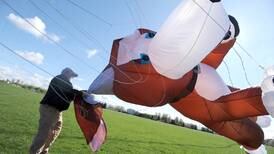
126,134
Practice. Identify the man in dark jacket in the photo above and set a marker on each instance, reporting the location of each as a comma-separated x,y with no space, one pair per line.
57,99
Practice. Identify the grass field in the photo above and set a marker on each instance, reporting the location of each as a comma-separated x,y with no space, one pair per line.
126,134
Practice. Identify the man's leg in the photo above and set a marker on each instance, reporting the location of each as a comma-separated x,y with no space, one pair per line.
53,134
48,117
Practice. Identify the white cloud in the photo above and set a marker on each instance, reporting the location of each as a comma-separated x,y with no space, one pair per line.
75,86
17,73
79,79
34,57
91,53
38,31
54,37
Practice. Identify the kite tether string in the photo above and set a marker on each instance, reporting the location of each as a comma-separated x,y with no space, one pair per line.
260,66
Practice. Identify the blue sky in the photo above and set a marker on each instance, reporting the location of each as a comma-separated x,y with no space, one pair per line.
255,19
114,19
118,14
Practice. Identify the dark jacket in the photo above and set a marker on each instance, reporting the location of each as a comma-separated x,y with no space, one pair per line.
60,93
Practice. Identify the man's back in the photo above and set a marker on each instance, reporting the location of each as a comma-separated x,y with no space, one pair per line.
59,94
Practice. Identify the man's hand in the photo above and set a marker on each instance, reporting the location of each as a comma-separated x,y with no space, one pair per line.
77,92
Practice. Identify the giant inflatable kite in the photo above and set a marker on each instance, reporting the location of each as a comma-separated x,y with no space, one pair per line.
177,65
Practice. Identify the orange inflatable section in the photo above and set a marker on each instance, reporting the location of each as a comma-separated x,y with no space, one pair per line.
216,56
228,115
143,79
88,117
133,81
237,105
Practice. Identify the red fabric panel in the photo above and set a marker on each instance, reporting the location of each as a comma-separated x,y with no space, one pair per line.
244,131
88,117
141,84
114,52
216,56
237,105
228,115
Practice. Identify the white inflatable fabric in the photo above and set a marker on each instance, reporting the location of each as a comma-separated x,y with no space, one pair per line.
267,87
209,84
194,29
263,121
132,46
103,84
92,98
260,150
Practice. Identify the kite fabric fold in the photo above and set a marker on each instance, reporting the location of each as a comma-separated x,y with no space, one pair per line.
91,122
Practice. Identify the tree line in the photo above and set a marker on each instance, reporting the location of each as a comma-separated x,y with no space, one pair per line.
158,117
19,83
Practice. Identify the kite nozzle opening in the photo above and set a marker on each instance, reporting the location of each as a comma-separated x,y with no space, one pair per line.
214,1
144,58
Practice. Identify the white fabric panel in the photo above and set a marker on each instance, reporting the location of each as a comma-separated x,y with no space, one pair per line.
187,36
99,137
92,98
131,46
209,84
260,150
103,84
268,101
263,121
125,46
269,71
267,87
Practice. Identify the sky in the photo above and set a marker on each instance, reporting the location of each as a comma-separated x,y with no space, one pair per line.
83,39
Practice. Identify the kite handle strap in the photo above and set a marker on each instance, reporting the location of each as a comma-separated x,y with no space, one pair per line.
190,87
